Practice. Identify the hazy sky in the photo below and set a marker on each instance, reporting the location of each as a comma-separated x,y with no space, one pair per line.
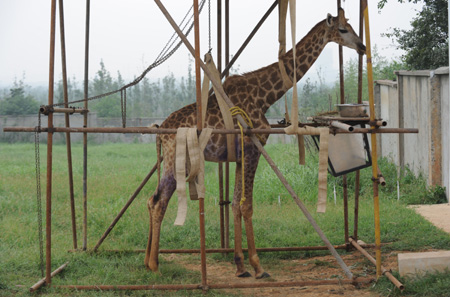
128,35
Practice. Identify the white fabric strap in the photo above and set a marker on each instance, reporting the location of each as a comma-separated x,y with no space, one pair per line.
224,110
187,144
323,162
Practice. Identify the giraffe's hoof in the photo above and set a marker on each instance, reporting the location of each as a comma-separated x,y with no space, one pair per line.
263,275
245,274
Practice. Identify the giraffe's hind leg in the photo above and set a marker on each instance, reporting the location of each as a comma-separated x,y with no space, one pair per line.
149,242
157,205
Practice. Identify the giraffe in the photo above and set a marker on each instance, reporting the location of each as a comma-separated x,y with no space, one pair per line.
254,92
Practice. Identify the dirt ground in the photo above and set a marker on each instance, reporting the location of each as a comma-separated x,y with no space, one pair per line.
315,268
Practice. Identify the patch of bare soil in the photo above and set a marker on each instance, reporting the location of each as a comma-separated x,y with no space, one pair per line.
302,269
437,214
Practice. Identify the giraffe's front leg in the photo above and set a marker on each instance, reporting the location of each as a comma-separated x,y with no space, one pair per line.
251,163
252,255
238,254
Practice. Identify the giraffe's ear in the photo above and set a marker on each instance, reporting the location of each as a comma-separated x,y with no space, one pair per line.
329,20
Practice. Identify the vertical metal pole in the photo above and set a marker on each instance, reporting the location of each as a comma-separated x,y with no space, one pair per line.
219,68
222,226
342,94
376,201
219,36
85,122
341,66
356,216
199,129
227,164
344,179
67,122
48,213
227,34
360,80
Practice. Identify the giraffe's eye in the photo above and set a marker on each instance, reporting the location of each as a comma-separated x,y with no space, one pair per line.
343,31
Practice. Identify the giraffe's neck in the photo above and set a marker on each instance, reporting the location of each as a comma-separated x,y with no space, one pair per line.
307,52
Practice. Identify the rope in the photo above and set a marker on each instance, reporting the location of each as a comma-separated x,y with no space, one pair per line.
164,55
38,195
209,25
238,111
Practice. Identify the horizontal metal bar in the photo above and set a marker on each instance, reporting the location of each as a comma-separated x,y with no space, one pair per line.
146,130
46,110
354,281
230,250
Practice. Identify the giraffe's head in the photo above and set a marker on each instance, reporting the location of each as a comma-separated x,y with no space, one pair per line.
342,32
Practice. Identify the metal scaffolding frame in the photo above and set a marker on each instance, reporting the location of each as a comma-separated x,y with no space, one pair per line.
375,128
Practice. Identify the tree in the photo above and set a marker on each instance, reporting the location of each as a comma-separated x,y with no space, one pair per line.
18,103
103,82
426,44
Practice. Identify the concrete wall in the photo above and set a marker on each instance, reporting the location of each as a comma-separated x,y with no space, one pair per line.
76,120
419,99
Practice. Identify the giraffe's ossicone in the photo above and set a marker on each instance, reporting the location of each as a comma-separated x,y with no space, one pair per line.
254,92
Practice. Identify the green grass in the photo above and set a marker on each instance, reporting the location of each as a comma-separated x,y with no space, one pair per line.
115,171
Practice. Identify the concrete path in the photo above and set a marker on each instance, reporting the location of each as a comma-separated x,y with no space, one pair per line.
438,214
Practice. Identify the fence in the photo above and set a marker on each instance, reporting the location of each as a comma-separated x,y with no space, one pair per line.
419,99
76,120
